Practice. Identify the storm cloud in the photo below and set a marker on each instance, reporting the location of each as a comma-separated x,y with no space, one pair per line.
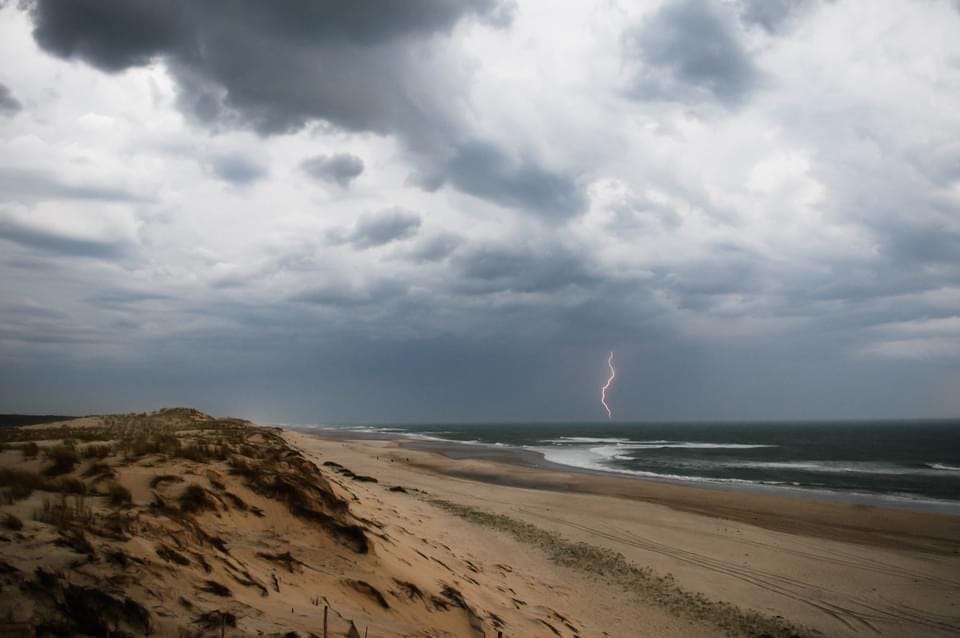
58,242
688,51
236,169
359,67
381,227
341,168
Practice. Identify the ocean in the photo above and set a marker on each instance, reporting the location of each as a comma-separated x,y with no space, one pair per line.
917,461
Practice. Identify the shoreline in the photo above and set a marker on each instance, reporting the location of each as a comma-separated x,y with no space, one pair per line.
535,459
840,569
871,520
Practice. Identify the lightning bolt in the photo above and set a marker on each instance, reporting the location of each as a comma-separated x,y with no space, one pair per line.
603,390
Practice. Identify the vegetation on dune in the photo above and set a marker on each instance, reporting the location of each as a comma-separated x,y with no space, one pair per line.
77,492
18,484
119,495
63,459
11,522
96,451
64,512
195,499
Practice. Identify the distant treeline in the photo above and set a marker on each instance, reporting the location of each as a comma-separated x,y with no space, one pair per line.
7,420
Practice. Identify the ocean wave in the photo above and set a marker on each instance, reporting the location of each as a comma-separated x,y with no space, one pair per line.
630,444
597,458
653,445
849,467
943,467
585,439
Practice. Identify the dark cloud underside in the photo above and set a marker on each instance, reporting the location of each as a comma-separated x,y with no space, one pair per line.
361,66
341,168
237,170
19,184
377,229
688,51
58,243
8,103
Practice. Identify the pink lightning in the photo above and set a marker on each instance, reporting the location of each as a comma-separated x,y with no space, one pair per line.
603,390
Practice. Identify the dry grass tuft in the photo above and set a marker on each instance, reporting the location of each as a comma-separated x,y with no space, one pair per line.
63,459
65,512
11,522
119,495
195,499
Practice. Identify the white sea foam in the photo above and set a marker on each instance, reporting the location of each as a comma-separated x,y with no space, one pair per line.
598,458
653,445
585,439
849,467
943,467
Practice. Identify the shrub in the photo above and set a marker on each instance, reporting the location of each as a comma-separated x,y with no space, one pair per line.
69,485
30,450
119,495
64,512
11,522
195,499
19,484
96,451
64,459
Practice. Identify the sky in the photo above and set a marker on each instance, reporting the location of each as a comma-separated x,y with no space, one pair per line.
453,210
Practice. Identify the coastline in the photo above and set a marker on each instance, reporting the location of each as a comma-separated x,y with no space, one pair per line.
858,518
535,459
840,568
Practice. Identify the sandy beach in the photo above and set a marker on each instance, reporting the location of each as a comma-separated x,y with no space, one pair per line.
837,568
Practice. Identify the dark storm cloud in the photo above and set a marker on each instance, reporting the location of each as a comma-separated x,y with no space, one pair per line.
382,227
237,169
484,170
59,243
110,35
9,105
689,51
341,168
724,270
269,66
436,248
18,184
117,34
361,66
